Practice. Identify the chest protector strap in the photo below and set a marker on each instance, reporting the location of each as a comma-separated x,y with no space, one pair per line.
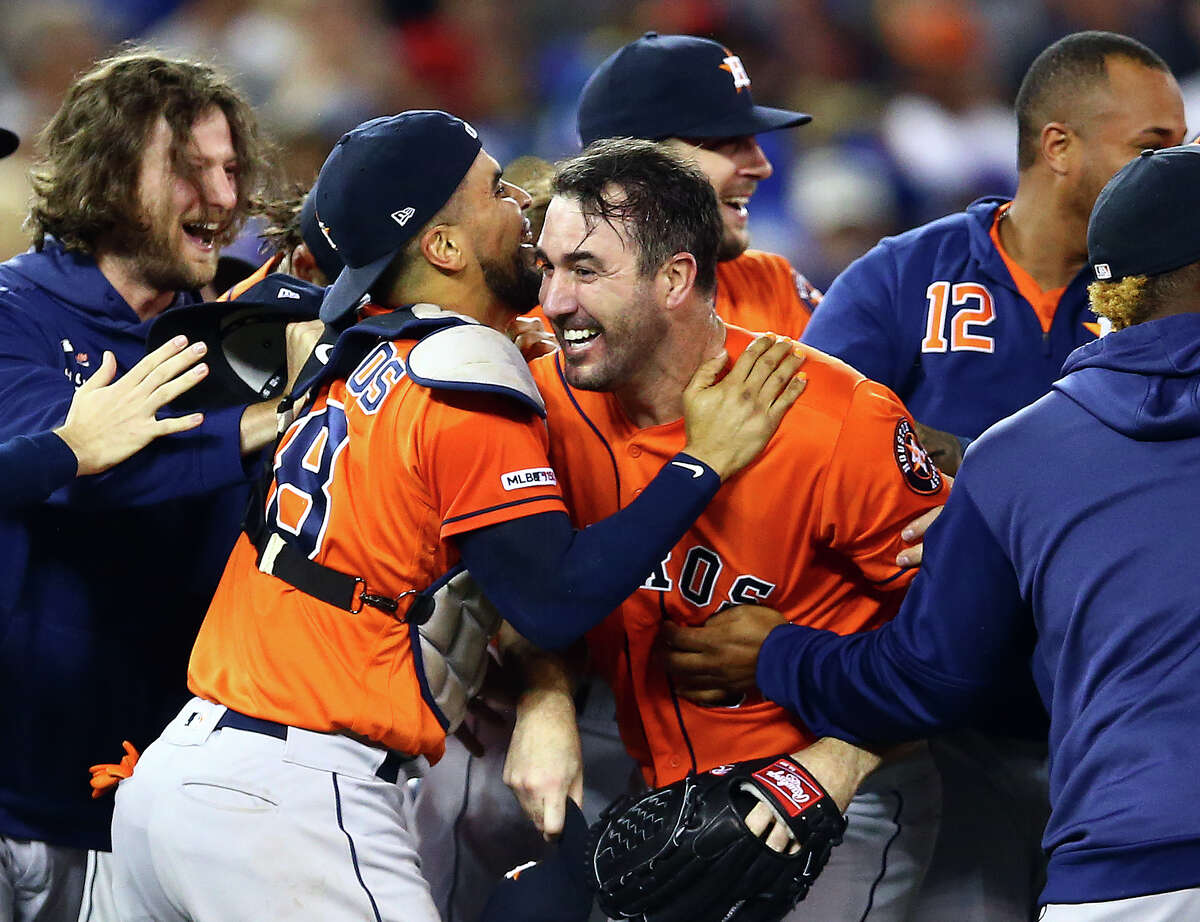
451,621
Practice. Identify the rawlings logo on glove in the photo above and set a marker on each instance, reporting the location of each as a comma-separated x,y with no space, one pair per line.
683,853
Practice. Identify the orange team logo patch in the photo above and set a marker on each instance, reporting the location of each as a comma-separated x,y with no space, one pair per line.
920,473
733,64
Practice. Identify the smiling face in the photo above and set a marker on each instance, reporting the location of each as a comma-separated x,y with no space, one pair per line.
734,167
605,313
492,212
185,206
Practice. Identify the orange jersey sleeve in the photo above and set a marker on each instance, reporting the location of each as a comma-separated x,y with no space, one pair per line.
372,480
762,292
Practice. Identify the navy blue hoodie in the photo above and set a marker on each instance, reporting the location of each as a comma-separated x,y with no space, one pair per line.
1070,543
103,585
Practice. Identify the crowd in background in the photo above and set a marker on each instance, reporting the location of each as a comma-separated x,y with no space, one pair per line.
912,99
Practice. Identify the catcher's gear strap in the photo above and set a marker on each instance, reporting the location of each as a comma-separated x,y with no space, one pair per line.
475,357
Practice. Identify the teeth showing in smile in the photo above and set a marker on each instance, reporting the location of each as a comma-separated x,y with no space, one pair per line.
737,203
205,233
580,336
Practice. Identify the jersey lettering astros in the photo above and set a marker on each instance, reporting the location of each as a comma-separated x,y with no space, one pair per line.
810,528
373,479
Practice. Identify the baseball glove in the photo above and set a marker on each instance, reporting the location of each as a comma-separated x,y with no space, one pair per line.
682,853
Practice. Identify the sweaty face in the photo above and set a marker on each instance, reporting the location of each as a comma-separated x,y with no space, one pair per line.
605,314
735,167
499,233
185,215
1140,108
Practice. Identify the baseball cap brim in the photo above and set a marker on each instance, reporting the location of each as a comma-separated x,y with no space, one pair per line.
755,120
351,284
8,142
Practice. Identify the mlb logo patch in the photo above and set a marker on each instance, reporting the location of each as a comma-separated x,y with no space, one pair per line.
1103,271
530,477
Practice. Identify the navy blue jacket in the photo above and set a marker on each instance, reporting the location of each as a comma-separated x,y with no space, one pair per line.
103,585
32,467
1070,537
987,358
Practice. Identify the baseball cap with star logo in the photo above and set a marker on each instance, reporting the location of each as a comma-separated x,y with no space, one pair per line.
674,86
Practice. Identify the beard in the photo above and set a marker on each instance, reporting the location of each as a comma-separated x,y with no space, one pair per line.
154,246
513,282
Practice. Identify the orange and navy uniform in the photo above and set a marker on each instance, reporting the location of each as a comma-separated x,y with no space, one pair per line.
946,318
373,479
758,291
810,528
761,291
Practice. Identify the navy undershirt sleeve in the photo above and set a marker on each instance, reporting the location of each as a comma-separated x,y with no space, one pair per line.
553,583
32,467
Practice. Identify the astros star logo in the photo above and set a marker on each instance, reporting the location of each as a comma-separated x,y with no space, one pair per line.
733,64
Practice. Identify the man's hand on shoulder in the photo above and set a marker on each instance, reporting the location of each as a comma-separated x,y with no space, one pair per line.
730,421
109,421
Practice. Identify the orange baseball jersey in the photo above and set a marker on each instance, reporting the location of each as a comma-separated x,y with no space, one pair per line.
761,291
811,528
757,291
372,480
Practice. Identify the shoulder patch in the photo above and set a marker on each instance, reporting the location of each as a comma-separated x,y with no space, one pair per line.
474,357
920,473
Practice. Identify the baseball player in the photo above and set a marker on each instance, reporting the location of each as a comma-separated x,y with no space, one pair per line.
694,96
345,637
812,525
1080,568
148,168
970,318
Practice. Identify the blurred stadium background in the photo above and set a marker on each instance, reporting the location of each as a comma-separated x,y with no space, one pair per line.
911,98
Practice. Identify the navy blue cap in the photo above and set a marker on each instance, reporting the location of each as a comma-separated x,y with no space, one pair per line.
674,86
326,256
1144,220
8,142
246,339
381,184
556,889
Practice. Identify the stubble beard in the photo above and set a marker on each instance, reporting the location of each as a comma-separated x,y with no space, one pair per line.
513,283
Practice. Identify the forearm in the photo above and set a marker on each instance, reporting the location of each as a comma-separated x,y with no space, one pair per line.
553,584
839,766
259,426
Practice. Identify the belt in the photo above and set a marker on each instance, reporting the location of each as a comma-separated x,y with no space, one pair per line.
389,771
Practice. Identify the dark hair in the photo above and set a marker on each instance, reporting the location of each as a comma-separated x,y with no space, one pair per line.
85,183
283,233
666,204
1059,74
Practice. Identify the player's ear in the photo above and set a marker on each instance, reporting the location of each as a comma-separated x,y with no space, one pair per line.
1059,147
304,266
677,279
442,245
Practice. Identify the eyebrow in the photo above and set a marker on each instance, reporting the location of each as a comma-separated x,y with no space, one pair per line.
569,259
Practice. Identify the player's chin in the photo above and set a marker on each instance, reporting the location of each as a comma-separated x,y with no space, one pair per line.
734,242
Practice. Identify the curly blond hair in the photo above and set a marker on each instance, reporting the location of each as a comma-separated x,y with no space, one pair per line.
1138,298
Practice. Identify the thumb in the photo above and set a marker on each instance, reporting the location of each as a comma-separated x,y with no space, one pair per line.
102,375
707,373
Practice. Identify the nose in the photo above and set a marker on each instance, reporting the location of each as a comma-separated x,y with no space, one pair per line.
554,295
752,161
517,194
220,188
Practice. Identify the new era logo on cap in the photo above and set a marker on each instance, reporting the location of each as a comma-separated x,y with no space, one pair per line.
288,293
402,216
